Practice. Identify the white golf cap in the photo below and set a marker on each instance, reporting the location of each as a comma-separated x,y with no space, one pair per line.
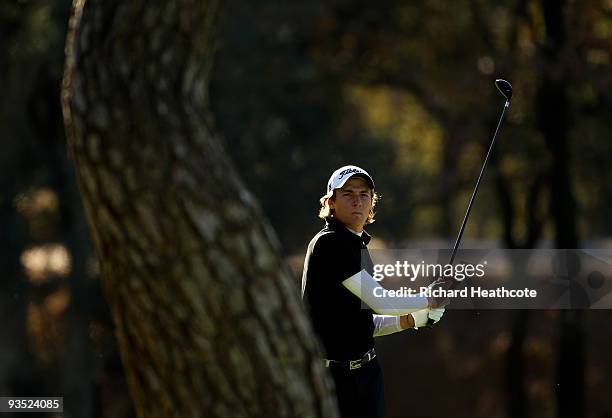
341,175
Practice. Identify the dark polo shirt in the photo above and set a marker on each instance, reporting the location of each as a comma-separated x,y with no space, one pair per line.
344,327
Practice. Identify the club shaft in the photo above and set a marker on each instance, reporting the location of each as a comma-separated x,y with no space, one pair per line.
469,208
482,170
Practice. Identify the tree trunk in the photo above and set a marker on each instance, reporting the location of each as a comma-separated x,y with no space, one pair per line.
517,398
15,357
207,315
554,121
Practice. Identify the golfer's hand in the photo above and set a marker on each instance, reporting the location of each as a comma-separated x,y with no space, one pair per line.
439,302
435,314
421,317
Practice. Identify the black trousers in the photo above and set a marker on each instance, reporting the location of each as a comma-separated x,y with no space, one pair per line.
360,392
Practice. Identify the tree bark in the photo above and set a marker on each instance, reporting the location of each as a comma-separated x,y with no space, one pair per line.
207,315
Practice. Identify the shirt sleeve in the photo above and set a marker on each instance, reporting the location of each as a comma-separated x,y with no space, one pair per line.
386,324
363,285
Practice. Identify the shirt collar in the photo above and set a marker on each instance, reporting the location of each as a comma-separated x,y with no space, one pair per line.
360,233
339,227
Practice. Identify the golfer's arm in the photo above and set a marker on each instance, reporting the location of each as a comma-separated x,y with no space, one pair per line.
387,324
367,289
406,321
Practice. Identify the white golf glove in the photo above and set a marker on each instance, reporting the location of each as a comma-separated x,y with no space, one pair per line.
421,317
436,314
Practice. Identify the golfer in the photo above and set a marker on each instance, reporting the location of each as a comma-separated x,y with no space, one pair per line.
338,290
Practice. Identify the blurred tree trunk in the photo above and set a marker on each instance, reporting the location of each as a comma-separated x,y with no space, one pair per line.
208,320
517,398
79,358
517,401
15,358
554,122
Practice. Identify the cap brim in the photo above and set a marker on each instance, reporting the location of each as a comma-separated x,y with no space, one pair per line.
367,178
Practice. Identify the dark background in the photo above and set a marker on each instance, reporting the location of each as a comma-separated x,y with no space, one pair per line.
403,89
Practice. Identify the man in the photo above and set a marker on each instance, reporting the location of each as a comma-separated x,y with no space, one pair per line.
337,281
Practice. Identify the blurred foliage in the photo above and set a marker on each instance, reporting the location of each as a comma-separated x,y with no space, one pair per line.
406,90
57,335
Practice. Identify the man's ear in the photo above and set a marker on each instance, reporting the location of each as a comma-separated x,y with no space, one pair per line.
331,202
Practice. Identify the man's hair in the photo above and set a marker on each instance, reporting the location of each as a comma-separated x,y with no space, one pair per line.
327,213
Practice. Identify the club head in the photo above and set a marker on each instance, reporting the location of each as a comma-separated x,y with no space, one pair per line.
504,87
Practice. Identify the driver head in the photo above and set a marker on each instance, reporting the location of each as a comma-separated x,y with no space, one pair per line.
504,87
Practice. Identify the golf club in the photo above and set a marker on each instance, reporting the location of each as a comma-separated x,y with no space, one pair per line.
505,88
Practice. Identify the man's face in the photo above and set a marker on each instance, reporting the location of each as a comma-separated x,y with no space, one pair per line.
352,203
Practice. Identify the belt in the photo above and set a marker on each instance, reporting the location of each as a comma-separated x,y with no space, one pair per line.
353,364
